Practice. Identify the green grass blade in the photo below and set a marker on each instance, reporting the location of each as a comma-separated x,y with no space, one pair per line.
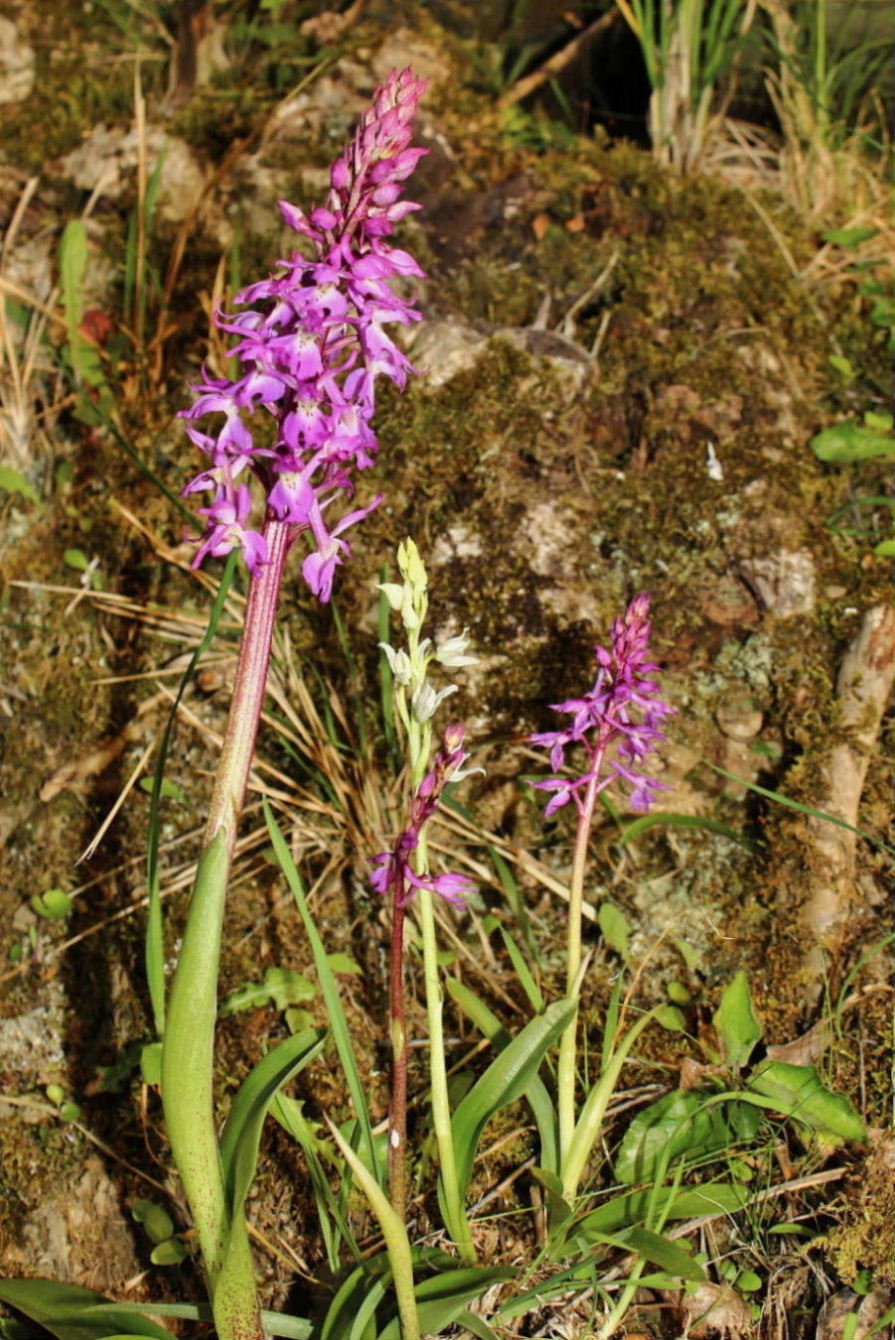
799,807
658,819
329,986
523,972
333,1224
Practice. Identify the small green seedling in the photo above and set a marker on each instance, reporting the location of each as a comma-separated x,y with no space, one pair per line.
54,905
67,1110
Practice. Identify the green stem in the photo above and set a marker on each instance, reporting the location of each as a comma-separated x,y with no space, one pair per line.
397,1243
188,1048
455,1213
567,1067
397,1116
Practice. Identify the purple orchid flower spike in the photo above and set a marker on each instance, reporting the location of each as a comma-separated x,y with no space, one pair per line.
394,871
311,343
622,709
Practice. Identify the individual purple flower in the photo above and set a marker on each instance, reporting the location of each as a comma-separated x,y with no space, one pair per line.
623,709
394,871
310,344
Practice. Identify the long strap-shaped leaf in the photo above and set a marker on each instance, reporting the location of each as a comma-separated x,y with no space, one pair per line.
536,1094
505,1080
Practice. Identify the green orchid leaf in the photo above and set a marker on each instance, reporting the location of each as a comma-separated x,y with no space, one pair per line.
72,1313
505,1080
851,441
441,1299
675,1127
242,1132
736,1022
536,1093
665,1253
798,1091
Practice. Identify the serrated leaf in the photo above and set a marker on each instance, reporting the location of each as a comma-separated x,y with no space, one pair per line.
851,441
615,929
282,986
798,1091
736,1022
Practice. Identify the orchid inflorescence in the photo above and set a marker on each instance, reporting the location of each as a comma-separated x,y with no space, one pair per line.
605,717
311,345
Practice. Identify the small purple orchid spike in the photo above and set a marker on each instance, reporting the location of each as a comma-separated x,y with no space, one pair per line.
311,343
608,715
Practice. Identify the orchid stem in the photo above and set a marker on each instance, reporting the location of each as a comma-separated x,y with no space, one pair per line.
397,1122
188,1044
568,1051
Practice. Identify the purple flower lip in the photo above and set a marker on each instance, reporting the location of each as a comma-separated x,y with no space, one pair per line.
622,712
310,344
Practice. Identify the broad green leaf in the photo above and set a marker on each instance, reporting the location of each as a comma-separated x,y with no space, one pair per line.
72,1313
536,1094
885,549
242,1132
669,1202
851,441
736,1022
679,1124
11,481
798,1091
274,1323
615,929
505,1080
77,559
475,1325
372,1275
665,1253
